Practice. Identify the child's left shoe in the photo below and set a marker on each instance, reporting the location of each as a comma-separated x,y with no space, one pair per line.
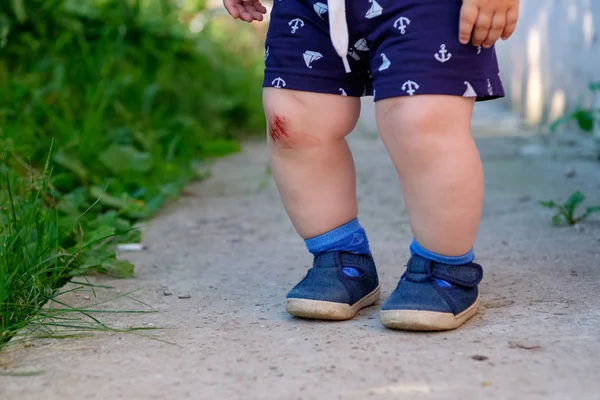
329,293
433,297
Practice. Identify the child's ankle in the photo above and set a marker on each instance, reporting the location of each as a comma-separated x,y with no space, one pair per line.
417,249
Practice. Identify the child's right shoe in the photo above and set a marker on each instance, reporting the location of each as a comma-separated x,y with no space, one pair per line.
432,296
337,286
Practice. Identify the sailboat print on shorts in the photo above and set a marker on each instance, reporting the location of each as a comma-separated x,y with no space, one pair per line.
311,56
320,9
386,62
361,45
375,11
470,92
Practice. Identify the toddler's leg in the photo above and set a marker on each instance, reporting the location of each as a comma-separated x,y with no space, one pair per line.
311,162
429,140
314,171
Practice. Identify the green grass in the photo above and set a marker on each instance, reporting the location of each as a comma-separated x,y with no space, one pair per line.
34,266
128,104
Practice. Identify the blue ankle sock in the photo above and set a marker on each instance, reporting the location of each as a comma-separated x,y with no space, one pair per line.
350,237
416,248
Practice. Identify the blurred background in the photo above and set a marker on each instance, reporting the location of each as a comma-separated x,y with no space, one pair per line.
552,59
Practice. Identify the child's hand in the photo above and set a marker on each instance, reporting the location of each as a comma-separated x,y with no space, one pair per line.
485,21
248,10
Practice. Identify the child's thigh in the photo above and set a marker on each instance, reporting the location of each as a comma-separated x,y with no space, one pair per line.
415,51
304,119
419,118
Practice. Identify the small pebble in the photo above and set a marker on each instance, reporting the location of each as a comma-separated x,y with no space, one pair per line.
86,297
185,296
132,247
168,293
524,199
570,173
524,345
479,358
486,383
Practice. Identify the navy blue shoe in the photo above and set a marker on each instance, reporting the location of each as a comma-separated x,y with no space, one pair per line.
328,293
433,296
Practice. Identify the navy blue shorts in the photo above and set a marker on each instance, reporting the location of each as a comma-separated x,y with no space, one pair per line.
397,48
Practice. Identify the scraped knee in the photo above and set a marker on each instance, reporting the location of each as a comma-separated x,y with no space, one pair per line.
299,120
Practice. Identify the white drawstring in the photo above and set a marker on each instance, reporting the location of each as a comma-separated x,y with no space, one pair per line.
338,29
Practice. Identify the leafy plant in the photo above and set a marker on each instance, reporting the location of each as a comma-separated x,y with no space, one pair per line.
566,212
587,119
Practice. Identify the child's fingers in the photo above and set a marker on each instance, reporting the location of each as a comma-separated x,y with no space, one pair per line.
512,16
262,9
230,6
245,15
468,17
498,24
257,15
482,28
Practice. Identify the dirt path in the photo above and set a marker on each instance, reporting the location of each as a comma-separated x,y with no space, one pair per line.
229,245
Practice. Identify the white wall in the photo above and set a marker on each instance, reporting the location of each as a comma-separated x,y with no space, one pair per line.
552,57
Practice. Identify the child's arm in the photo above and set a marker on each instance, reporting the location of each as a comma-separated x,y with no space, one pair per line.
485,21
248,10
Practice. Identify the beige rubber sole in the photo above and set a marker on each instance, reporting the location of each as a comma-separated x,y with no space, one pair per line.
415,320
326,310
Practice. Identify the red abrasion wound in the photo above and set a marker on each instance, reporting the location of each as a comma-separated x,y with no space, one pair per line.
277,128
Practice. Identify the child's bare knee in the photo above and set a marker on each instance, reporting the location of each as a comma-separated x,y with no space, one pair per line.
286,130
302,120
287,127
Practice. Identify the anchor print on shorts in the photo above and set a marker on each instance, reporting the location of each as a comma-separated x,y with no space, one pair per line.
443,55
278,83
320,9
375,11
310,57
470,92
410,87
385,64
296,24
401,24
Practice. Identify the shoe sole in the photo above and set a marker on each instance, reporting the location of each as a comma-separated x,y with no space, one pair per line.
416,320
327,310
